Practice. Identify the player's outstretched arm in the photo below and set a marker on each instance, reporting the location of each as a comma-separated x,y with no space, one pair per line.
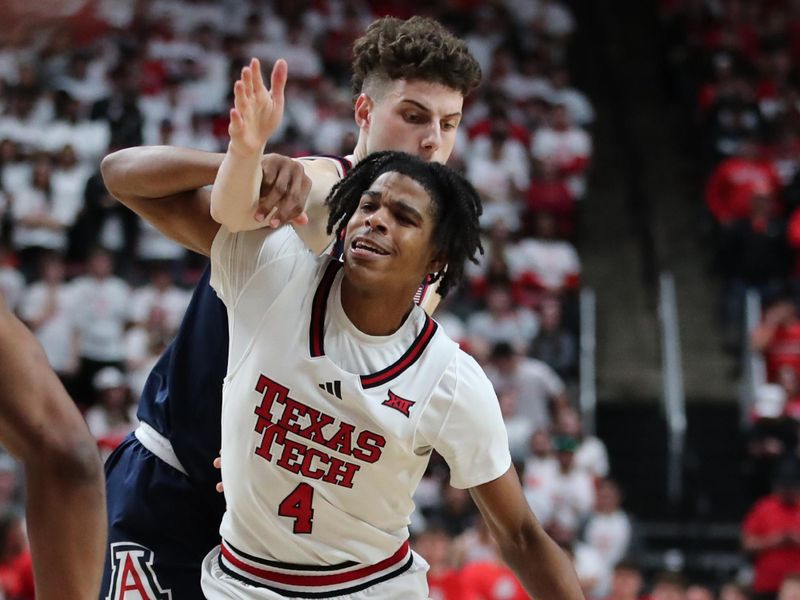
65,505
164,185
256,114
542,567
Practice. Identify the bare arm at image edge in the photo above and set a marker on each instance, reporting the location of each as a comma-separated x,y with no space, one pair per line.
165,186
65,492
541,566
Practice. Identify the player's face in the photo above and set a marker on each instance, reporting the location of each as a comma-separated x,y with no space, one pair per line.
388,239
417,117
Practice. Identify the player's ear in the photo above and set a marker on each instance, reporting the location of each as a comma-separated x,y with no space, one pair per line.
363,111
437,263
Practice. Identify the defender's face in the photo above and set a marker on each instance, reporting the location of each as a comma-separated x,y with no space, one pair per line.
417,117
389,237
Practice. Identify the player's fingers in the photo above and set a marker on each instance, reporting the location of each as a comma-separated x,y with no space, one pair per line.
247,78
236,124
258,79
280,73
267,199
220,488
280,193
301,219
294,200
239,96
218,462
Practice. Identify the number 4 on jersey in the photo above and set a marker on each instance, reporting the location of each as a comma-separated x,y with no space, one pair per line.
298,505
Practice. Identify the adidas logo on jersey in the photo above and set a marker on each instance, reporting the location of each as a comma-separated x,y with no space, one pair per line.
334,388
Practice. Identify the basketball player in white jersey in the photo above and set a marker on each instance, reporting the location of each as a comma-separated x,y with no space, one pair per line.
410,78
339,387
65,500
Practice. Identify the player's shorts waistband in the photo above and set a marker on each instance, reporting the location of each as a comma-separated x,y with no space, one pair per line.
158,445
311,581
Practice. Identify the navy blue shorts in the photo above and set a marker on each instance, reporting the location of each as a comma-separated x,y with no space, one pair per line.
160,527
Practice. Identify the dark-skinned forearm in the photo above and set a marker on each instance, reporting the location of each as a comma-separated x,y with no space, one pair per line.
542,567
158,171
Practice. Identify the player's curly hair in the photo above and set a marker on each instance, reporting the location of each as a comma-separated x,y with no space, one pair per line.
457,208
419,48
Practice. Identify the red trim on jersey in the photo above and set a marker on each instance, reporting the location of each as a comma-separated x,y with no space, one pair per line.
343,162
405,361
316,580
318,308
317,334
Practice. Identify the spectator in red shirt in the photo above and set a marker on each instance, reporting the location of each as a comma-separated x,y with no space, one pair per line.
444,582
491,580
730,188
778,337
669,586
16,568
771,532
626,582
752,253
549,193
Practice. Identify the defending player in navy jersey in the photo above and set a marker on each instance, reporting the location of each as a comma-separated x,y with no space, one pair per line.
410,78
319,486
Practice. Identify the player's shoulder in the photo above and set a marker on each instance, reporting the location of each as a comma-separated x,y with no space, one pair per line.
334,167
464,376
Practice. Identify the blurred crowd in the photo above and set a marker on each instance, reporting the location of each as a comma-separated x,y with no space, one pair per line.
104,292
736,65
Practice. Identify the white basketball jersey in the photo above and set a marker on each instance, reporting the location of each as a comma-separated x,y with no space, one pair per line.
320,464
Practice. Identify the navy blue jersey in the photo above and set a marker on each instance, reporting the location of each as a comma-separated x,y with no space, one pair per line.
182,398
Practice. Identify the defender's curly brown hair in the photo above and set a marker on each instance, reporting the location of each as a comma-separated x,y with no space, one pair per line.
419,48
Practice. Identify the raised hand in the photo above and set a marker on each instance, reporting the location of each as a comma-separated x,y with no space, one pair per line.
257,111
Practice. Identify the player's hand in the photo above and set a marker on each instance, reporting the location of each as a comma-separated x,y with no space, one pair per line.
218,464
257,112
284,191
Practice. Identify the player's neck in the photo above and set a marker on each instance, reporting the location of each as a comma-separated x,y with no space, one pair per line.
378,313
360,151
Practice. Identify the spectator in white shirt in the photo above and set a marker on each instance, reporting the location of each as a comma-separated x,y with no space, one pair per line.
100,313
578,105
46,310
15,173
84,79
497,166
572,491
592,571
546,263
591,454
114,414
608,529
518,427
568,146
503,322
12,282
539,388
40,218
160,294
144,344
538,475
69,178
